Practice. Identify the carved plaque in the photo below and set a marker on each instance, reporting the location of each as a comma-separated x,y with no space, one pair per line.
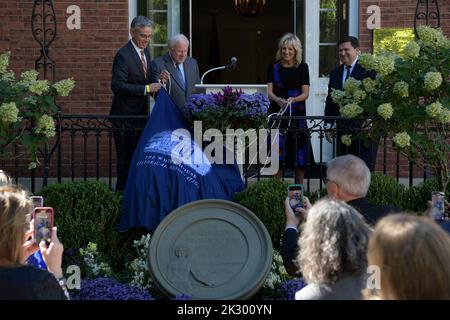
210,249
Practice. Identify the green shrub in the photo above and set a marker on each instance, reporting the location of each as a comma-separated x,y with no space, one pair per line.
266,200
88,212
385,190
416,198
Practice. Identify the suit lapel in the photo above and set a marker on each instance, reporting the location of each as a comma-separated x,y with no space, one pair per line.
137,59
149,59
358,71
341,75
186,73
172,70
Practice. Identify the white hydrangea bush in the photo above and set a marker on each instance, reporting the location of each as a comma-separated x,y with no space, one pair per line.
409,100
27,106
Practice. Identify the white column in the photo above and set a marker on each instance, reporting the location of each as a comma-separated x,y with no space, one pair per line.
132,13
315,105
353,23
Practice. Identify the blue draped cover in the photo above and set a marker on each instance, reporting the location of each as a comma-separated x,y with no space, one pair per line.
162,179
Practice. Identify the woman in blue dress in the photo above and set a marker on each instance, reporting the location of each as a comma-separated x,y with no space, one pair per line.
288,82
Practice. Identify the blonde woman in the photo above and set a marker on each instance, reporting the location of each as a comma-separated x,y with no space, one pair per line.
413,254
17,280
332,256
288,82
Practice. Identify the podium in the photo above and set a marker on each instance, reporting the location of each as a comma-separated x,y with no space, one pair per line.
247,88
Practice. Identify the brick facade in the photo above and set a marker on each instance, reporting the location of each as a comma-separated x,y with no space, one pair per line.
396,14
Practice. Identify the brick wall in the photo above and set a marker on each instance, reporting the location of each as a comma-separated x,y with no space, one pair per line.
85,54
396,14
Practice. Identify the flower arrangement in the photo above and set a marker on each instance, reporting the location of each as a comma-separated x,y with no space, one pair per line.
409,100
230,109
27,106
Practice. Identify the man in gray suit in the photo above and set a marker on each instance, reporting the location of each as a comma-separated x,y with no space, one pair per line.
180,68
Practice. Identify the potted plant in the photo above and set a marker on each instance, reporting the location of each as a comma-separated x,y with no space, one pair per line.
228,110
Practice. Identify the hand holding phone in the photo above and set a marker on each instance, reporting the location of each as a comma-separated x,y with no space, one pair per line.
43,224
295,192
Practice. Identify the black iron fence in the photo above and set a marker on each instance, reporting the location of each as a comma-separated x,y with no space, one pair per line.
84,150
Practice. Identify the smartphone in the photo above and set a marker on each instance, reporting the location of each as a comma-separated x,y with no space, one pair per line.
37,201
295,192
43,224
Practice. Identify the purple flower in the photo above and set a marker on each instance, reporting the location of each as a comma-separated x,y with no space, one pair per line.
108,289
229,108
289,288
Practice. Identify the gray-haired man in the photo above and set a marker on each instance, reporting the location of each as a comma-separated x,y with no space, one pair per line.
131,86
182,70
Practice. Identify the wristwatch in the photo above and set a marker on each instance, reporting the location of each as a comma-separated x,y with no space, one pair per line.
62,281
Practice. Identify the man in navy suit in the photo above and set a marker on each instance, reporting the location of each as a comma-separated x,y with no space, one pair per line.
182,70
348,54
131,86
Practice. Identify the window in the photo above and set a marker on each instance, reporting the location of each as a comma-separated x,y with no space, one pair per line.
333,17
158,12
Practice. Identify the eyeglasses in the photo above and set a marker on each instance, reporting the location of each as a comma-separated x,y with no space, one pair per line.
145,36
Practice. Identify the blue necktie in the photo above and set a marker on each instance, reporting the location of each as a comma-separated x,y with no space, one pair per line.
180,75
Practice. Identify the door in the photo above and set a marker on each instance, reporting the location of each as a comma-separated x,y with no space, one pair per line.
218,32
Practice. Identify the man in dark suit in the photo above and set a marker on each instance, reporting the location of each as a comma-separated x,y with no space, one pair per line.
131,86
182,70
348,179
348,54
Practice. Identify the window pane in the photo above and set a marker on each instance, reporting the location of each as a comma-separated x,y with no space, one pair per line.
160,28
328,26
157,51
328,59
157,4
328,4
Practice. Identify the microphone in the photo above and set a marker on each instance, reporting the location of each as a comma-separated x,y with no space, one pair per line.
232,65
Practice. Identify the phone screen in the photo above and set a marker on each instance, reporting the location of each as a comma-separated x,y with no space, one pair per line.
37,201
295,196
43,224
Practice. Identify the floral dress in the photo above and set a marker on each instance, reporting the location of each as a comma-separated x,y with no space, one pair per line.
288,82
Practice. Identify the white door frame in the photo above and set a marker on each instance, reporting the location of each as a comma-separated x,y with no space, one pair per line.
319,85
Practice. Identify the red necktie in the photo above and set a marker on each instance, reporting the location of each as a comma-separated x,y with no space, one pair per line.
144,64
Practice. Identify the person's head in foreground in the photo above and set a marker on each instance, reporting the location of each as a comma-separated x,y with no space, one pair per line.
333,246
413,256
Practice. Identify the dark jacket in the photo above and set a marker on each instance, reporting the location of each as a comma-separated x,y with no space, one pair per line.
128,82
289,245
28,283
177,91
358,72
